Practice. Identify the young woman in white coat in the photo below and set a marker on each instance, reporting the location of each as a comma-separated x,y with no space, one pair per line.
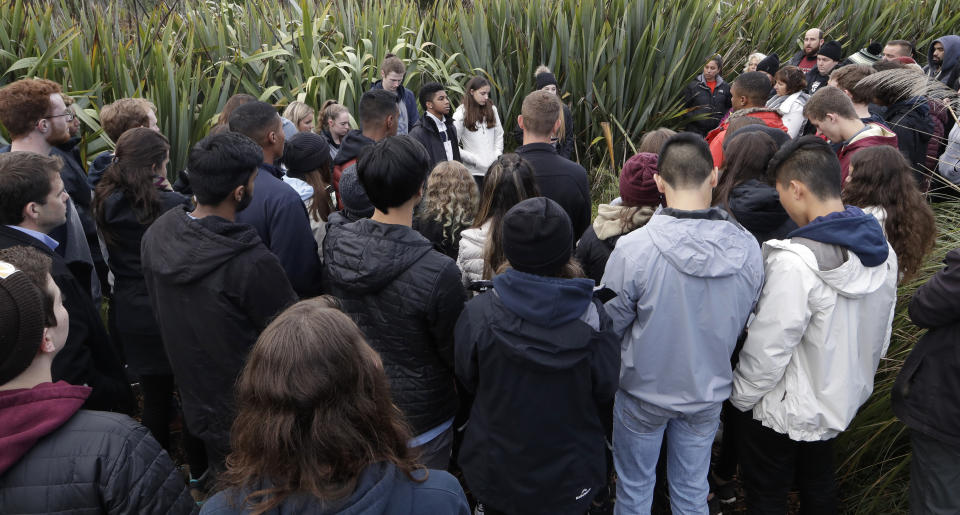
478,128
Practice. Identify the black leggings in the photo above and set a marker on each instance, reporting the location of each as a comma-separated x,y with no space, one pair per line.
156,416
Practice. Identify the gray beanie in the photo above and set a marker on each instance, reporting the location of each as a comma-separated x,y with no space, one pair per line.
354,198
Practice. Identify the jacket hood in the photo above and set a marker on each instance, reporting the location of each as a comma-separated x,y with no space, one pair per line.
914,109
31,414
351,146
876,134
370,255
608,223
771,117
702,243
560,300
756,205
951,55
192,249
852,229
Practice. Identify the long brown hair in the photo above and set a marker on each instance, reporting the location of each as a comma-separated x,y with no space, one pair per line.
313,411
474,112
880,176
745,158
510,179
136,161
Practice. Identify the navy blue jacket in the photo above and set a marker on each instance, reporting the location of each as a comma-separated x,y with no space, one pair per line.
281,220
542,357
381,490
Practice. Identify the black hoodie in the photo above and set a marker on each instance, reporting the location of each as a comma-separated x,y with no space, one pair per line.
214,287
406,298
351,146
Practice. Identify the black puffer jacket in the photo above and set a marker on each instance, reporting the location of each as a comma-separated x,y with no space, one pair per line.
542,357
698,97
406,298
56,459
910,120
89,356
434,231
135,319
214,287
756,206
926,395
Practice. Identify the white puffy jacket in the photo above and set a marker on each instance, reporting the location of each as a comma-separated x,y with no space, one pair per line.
470,258
819,333
791,111
479,148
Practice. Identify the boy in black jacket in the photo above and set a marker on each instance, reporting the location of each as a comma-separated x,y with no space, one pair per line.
213,285
435,130
540,353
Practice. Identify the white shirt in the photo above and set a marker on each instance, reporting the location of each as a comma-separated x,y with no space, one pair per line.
442,128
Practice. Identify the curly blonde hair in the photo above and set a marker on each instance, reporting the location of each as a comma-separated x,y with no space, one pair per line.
451,198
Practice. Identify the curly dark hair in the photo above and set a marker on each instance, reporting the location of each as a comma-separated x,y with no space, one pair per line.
24,103
792,77
881,177
314,411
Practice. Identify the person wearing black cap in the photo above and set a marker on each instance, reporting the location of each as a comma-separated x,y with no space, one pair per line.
769,65
545,80
82,461
540,354
404,295
307,158
827,59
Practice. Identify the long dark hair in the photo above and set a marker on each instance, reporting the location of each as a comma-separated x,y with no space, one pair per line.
313,411
136,162
474,112
745,157
510,180
880,176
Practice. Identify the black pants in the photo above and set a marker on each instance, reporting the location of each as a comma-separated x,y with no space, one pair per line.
157,406
934,475
725,465
770,463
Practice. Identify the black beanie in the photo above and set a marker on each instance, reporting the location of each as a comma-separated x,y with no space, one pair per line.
545,79
21,321
769,64
831,49
305,152
537,237
353,196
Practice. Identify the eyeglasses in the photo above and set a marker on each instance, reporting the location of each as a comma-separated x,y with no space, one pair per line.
67,116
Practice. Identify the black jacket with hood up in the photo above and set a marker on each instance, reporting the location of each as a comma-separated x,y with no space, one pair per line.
926,394
214,287
910,120
541,355
406,298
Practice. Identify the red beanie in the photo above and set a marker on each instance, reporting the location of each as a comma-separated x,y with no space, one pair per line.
637,187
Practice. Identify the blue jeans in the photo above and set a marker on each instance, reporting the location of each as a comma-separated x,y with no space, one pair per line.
638,430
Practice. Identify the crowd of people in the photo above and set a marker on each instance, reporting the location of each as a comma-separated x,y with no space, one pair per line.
402,318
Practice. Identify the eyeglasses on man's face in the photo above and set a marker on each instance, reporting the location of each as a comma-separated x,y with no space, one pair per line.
67,116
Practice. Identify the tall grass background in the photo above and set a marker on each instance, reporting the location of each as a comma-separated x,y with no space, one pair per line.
619,62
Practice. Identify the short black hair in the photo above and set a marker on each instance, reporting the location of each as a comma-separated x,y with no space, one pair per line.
685,160
428,91
254,120
393,170
218,164
22,181
755,86
809,160
376,105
